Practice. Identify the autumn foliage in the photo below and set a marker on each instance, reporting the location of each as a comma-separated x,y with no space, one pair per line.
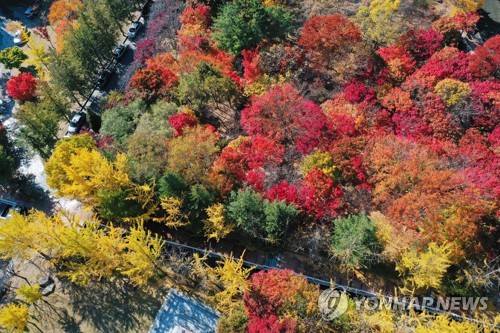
285,116
22,87
325,38
244,121
279,301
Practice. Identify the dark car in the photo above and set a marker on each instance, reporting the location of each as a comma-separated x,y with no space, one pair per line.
119,51
134,29
76,123
8,206
104,78
31,11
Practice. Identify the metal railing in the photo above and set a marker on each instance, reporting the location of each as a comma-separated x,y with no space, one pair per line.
323,283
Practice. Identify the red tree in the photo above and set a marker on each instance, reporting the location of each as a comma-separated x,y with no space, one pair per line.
144,50
152,83
485,62
422,43
325,38
278,300
181,120
282,114
448,63
398,61
358,92
284,192
321,197
245,160
250,64
272,324
22,87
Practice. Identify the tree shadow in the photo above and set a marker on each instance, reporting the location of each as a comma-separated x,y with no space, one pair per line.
68,323
110,307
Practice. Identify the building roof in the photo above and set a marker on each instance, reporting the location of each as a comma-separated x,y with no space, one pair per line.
181,313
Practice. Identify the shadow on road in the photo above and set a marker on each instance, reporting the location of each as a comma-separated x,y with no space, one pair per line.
111,308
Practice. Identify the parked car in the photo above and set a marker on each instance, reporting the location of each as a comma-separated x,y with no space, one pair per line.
119,51
104,78
32,11
7,206
134,29
76,123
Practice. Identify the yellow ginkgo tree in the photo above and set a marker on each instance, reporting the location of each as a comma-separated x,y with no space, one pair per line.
14,317
215,225
225,283
424,270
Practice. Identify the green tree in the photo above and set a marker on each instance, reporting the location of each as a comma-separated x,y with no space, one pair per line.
119,10
49,98
280,217
147,155
172,185
235,321
116,205
264,219
354,243
156,120
242,24
121,121
246,210
90,40
6,165
197,201
68,78
39,124
12,57
207,89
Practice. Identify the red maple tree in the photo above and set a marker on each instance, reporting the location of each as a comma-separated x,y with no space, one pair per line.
22,87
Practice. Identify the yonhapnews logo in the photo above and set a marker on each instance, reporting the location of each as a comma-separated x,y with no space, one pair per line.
333,303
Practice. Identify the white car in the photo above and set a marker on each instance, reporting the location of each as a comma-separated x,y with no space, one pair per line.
134,29
76,123
17,38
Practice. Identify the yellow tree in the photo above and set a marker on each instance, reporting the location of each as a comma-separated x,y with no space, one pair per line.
464,6
38,57
193,153
88,172
452,91
215,225
65,148
228,280
141,253
30,293
88,252
392,241
14,317
24,236
424,270
379,22
174,217
320,160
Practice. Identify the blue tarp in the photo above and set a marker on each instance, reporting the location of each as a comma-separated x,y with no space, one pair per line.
180,311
